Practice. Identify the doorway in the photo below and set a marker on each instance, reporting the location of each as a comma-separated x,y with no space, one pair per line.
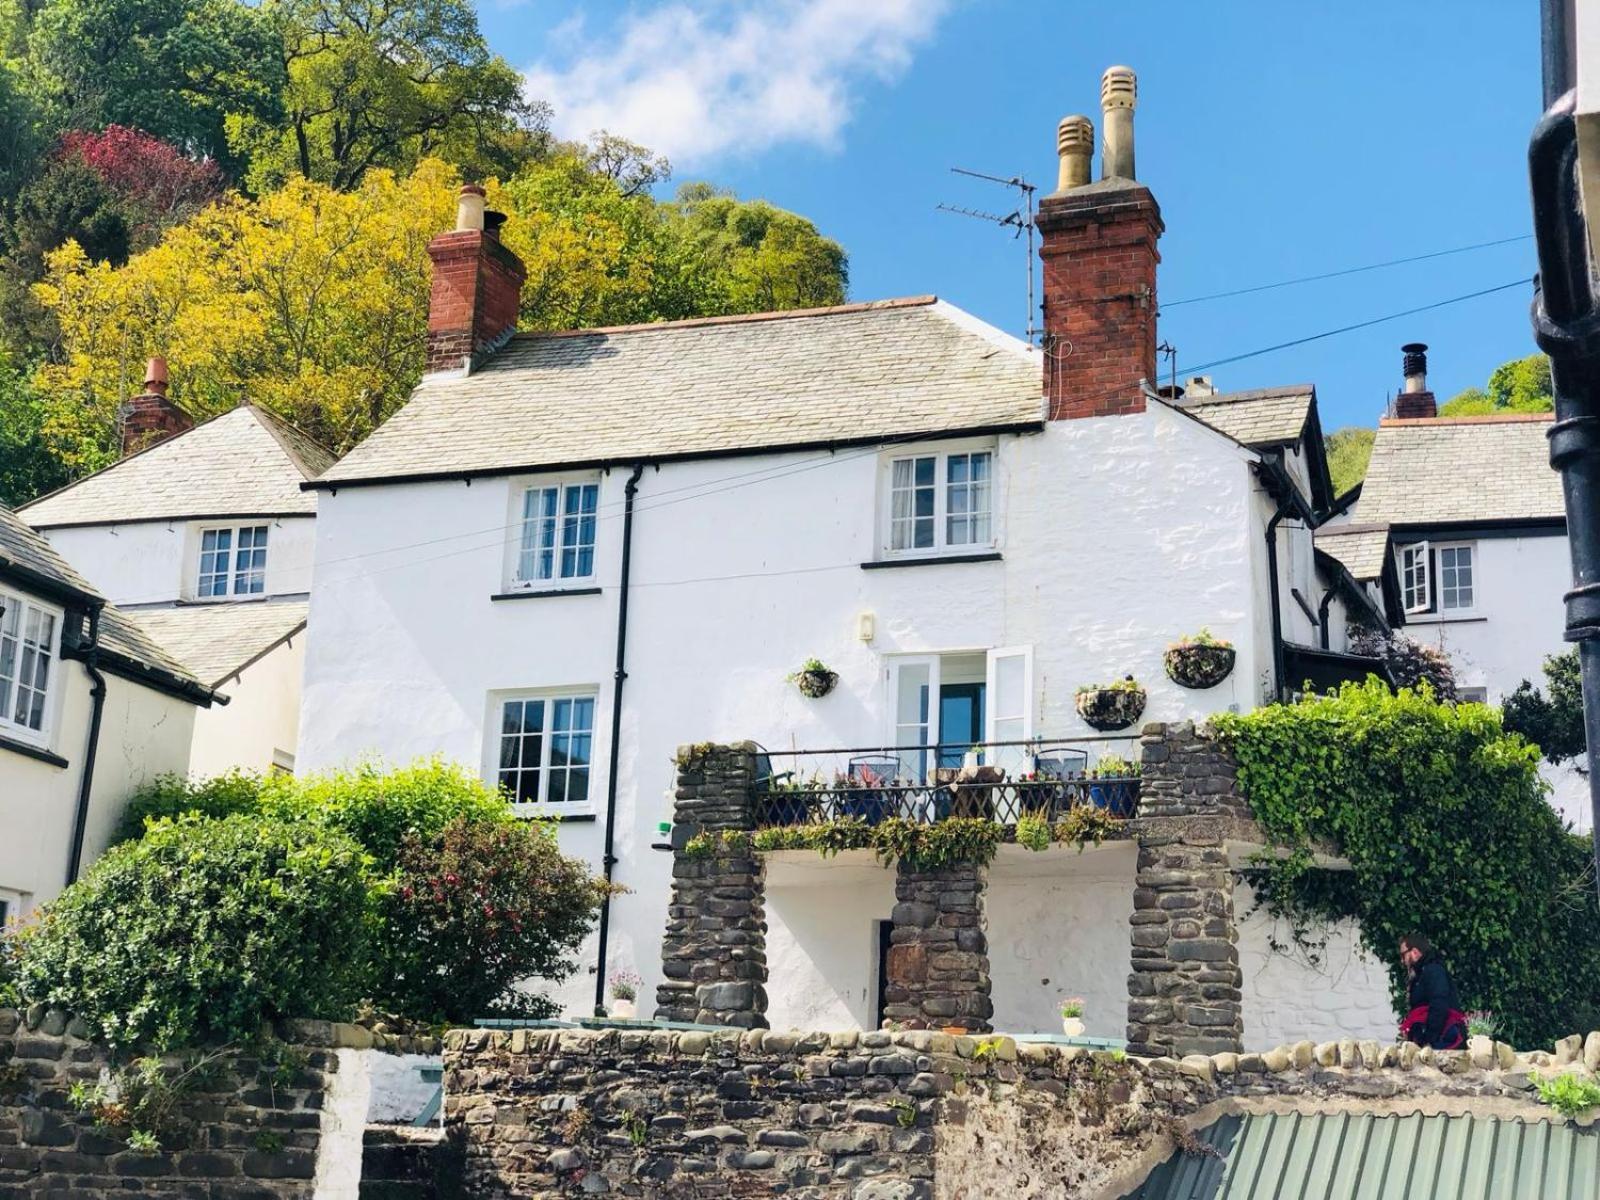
960,721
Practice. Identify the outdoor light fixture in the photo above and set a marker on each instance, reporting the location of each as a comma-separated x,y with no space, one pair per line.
866,626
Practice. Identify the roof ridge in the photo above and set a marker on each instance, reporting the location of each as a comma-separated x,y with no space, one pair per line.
1246,394
921,301
275,425
1504,418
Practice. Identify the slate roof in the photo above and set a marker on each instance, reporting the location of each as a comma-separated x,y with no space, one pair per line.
855,373
1461,469
1362,549
128,645
216,641
1362,1156
245,462
1261,417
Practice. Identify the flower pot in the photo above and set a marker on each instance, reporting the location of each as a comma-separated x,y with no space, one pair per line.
1199,664
624,1010
871,807
1111,707
1072,1026
1119,797
816,684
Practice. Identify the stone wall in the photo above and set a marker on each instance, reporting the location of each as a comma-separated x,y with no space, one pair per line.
902,1116
714,954
1187,774
250,1130
938,961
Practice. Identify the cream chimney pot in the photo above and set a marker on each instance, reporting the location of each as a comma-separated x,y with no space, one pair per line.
1075,146
1119,92
469,208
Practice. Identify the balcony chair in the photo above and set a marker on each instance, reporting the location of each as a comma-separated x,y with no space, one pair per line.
867,774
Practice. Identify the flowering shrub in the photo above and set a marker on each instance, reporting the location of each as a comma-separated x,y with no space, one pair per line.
471,913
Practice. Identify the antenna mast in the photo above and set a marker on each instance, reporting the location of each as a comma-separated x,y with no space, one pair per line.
1020,219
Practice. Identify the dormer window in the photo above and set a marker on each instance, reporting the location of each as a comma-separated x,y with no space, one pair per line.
233,562
558,534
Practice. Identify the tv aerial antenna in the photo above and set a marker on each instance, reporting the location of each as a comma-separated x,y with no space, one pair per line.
1019,220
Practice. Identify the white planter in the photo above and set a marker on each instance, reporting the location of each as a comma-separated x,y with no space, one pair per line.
624,1010
1072,1026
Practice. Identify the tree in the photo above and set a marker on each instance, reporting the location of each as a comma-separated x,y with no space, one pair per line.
27,468
1553,719
1411,663
156,185
755,256
386,84
175,68
1521,385
1349,450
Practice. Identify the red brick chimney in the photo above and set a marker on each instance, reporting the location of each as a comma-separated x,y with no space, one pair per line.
150,417
1098,243
477,287
1415,400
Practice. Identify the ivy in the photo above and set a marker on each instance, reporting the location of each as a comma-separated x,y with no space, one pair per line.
954,842
1443,819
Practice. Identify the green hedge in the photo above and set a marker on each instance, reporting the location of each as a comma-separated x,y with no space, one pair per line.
1443,819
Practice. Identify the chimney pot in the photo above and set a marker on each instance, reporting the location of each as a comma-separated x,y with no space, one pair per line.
1075,146
155,376
469,208
1415,366
150,417
1119,92
1415,401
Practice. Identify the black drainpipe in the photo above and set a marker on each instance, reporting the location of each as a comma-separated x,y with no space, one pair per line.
97,694
1322,616
1281,488
609,859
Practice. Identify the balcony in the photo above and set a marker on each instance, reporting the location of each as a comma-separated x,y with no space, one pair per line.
994,781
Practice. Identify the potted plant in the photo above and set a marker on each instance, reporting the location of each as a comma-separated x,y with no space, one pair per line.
624,991
1111,705
1072,1016
1114,784
1199,661
814,679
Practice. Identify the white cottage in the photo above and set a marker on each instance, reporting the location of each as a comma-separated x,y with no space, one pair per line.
571,553
202,534
90,708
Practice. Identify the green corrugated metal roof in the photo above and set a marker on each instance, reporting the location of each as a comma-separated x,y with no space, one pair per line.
1347,1156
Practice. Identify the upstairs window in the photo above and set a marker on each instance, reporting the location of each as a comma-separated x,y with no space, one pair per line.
546,750
941,502
558,533
233,562
28,650
1439,578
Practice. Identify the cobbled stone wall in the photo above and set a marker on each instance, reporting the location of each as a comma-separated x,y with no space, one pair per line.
245,1135
1187,774
714,953
902,1116
938,962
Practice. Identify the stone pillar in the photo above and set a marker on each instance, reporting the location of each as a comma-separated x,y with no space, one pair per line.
1184,991
938,962
714,954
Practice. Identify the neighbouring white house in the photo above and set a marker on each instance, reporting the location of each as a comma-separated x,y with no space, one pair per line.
571,553
202,534
90,708
1468,515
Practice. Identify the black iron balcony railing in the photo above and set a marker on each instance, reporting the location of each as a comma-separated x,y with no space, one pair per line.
995,781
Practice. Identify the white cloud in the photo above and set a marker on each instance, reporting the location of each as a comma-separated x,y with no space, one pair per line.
699,79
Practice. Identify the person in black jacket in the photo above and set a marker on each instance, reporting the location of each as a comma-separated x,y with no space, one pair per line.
1435,1018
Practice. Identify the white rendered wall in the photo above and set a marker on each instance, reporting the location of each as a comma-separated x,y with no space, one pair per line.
262,715
1286,999
154,561
1118,534
1058,927
143,733
822,948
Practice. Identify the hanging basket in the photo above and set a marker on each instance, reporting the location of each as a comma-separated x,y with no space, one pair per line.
816,684
1199,664
1107,708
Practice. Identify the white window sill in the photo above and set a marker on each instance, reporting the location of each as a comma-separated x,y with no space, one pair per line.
549,812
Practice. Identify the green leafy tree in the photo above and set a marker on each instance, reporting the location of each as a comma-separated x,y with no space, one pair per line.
756,257
386,84
27,467
1521,385
1349,450
1551,719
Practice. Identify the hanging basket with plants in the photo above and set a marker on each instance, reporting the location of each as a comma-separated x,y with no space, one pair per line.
814,679
1199,661
1111,705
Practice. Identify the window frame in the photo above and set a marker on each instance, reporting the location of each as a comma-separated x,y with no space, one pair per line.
234,528
495,730
517,524
941,453
1432,606
12,905
43,736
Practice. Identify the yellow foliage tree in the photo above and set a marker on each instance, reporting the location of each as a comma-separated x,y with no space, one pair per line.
310,302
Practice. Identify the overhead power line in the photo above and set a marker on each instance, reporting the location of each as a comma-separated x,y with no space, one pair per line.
1393,262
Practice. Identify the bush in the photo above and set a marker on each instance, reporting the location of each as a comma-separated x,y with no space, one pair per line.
203,929
173,796
475,910
1551,720
1444,821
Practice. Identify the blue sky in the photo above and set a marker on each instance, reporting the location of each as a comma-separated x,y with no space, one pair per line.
1280,140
